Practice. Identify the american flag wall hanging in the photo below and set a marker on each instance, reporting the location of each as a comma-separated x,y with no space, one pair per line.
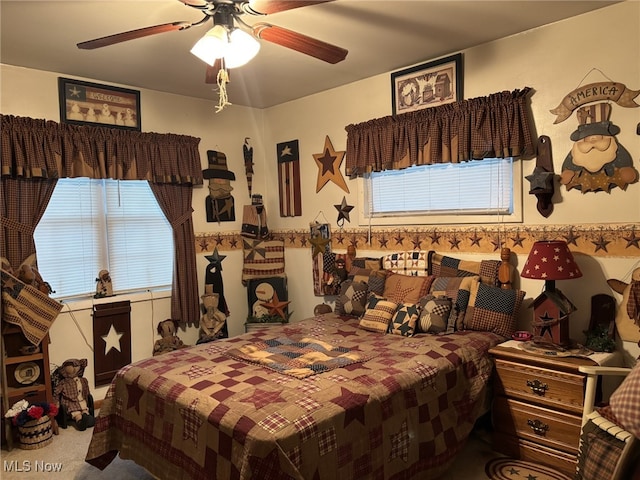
289,179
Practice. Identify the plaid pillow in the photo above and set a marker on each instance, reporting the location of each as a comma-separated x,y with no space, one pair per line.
625,402
458,289
434,314
404,320
492,309
378,314
445,266
352,298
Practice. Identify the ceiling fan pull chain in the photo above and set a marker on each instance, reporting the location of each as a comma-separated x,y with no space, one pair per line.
222,79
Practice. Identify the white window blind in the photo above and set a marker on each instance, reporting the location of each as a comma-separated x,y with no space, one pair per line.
93,225
469,188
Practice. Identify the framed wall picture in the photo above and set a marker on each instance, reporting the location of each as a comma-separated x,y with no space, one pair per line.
427,85
84,103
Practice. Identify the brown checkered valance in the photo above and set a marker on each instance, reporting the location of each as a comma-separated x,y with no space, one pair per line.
35,148
494,126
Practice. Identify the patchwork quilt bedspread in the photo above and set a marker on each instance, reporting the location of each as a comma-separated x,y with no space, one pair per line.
373,406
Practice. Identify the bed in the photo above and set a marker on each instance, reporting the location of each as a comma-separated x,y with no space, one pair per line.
327,397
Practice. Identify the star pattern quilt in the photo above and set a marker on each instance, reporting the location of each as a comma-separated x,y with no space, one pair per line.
403,412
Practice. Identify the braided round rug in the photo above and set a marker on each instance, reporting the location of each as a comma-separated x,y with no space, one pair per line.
510,469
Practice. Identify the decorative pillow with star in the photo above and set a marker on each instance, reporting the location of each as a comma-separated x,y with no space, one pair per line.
404,320
352,298
492,309
406,288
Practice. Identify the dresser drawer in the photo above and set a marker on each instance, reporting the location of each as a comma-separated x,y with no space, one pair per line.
555,389
541,425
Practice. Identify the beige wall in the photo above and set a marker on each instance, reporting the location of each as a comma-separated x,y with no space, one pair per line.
553,60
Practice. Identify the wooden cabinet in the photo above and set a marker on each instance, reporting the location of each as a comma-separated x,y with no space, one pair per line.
25,374
537,407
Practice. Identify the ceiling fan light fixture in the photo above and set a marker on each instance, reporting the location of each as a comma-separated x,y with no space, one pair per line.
212,45
241,49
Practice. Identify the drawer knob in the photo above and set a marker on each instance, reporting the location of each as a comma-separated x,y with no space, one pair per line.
537,426
537,387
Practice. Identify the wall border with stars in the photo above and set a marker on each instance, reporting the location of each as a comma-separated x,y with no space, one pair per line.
612,240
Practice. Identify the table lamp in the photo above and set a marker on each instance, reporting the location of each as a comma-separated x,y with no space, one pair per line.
551,260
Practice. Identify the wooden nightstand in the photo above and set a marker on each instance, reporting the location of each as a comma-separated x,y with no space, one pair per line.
537,405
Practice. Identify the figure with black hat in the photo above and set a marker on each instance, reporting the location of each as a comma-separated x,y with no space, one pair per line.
219,203
597,161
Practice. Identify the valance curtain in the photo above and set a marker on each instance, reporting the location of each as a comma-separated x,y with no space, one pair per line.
35,153
495,126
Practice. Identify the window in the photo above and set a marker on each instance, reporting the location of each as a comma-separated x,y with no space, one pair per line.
474,192
92,225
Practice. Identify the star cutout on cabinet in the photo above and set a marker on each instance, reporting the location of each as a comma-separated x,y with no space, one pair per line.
329,162
112,340
343,211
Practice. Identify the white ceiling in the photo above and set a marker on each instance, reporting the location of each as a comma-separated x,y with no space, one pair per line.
381,36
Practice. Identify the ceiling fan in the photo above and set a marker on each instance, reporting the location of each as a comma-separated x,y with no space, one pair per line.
225,14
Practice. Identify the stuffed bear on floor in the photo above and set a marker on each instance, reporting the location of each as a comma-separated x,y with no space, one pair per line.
71,392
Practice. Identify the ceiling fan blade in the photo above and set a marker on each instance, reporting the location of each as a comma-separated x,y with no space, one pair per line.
299,42
274,6
132,35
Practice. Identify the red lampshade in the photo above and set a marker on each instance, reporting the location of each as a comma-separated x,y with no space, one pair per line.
551,260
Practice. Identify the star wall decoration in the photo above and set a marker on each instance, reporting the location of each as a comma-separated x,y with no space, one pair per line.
329,162
319,245
112,340
276,307
215,260
343,211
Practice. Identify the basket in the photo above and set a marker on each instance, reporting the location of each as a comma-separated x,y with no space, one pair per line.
36,433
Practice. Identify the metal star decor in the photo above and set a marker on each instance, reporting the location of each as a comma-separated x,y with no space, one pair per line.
276,307
319,245
343,211
329,162
216,259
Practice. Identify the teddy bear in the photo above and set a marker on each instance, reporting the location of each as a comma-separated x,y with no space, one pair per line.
212,320
169,341
71,392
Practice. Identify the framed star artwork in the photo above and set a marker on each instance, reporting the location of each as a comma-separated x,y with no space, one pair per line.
329,162
84,103
268,299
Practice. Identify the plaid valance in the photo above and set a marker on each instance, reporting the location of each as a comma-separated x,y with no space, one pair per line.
35,148
484,127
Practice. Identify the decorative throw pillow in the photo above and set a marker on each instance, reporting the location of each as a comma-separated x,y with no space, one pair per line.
374,278
625,401
406,288
366,262
434,314
445,266
352,298
404,320
378,314
492,309
458,289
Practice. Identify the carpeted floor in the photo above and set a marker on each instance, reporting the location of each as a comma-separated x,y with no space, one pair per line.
63,458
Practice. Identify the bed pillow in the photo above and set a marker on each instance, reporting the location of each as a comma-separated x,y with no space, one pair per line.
366,262
374,278
434,314
352,299
492,309
404,319
625,400
378,314
406,288
412,262
445,266
458,289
